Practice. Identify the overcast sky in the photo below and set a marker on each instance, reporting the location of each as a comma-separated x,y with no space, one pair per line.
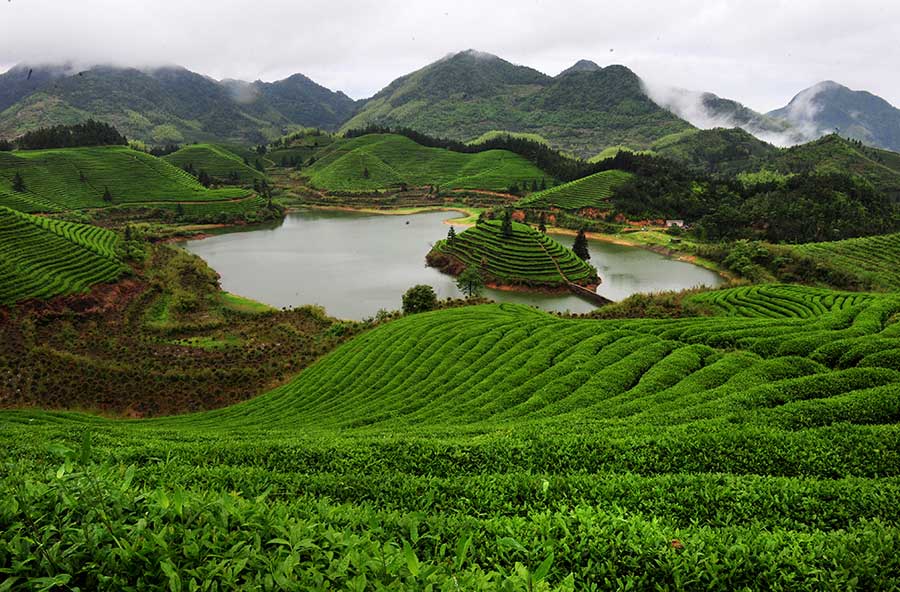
760,52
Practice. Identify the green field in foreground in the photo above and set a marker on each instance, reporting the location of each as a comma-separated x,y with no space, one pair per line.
218,162
498,447
77,178
380,161
592,191
528,257
41,257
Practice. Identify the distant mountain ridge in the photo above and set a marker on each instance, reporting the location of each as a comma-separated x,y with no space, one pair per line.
167,104
467,94
829,107
584,109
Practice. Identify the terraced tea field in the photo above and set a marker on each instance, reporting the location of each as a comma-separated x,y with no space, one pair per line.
77,178
498,447
381,161
218,162
780,301
592,191
40,257
874,257
528,257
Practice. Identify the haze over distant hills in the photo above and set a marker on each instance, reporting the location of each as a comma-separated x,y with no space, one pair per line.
583,109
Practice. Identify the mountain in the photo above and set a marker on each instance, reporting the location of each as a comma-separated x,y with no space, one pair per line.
169,104
465,95
708,111
831,107
580,66
717,150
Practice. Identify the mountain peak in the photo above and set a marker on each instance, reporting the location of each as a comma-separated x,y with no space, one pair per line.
581,66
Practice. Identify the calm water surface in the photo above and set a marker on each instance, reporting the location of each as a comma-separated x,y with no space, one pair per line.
355,264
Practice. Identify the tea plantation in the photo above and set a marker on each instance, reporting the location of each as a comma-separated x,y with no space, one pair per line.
527,257
218,162
873,257
78,178
380,161
497,447
592,191
41,257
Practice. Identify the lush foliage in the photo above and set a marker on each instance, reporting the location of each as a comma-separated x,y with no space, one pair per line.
419,298
496,447
872,259
162,341
89,133
42,257
526,257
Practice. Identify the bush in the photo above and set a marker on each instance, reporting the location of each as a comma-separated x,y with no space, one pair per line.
420,298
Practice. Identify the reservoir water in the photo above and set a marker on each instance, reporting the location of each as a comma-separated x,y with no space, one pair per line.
355,264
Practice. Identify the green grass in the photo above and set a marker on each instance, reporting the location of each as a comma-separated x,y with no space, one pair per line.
493,134
392,160
42,257
76,178
219,162
486,447
592,191
528,257
873,258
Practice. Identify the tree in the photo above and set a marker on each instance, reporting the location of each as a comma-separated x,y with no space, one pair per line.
18,183
542,225
470,282
5,146
179,210
507,229
420,298
543,184
107,196
481,218
204,178
451,236
581,246
534,185
366,173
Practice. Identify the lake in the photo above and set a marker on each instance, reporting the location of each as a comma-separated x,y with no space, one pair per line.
354,264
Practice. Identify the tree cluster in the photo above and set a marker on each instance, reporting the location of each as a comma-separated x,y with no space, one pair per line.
89,133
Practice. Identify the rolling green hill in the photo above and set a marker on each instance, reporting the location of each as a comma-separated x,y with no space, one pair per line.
528,257
719,150
592,191
77,178
42,257
379,161
220,163
488,447
471,93
872,258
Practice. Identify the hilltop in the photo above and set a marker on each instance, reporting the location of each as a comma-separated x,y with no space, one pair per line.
217,161
42,257
380,161
76,178
526,258
470,93
829,107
